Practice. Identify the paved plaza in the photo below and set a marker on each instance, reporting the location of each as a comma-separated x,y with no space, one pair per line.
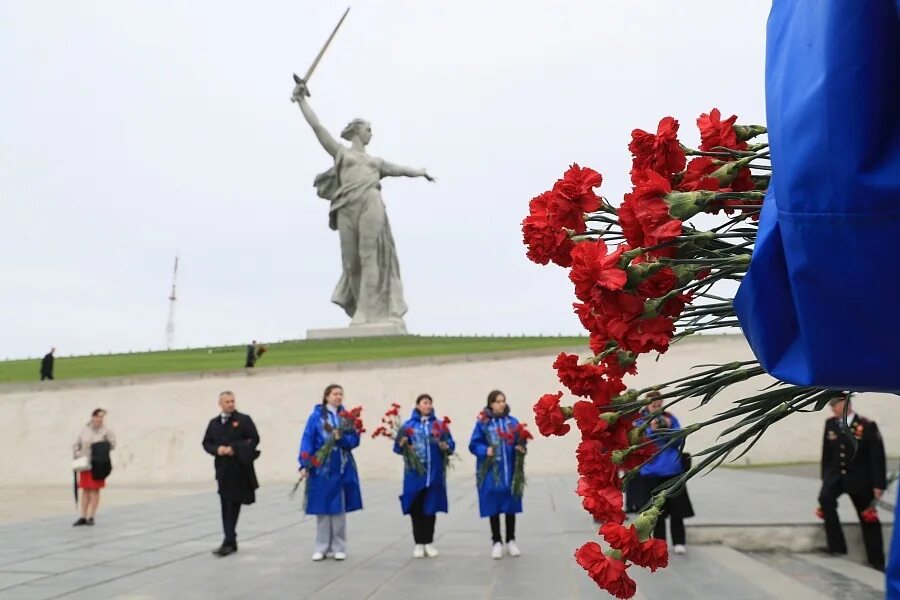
161,550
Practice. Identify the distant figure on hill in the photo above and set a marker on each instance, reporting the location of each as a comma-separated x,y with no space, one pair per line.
251,355
47,365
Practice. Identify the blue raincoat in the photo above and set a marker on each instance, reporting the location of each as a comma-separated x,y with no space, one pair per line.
495,493
817,303
332,488
667,463
434,479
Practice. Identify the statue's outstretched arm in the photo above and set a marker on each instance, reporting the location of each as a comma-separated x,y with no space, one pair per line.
389,169
328,142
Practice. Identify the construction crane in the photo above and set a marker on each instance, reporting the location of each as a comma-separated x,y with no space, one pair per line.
170,323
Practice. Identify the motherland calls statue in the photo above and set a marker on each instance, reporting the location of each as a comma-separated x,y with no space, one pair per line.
370,290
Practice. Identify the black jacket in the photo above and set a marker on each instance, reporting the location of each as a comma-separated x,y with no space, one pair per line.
866,470
251,356
47,365
101,464
235,474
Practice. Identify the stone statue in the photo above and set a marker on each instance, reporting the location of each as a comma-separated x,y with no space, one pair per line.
370,290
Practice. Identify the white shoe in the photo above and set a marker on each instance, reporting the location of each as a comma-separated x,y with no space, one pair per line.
497,551
418,551
679,549
340,555
317,556
431,551
512,549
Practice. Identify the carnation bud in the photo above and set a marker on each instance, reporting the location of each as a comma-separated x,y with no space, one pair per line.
619,456
635,434
727,172
613,553
640,272
748,132
646,522
610,417
684,205
625,398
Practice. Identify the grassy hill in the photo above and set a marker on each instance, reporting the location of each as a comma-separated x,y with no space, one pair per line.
280,354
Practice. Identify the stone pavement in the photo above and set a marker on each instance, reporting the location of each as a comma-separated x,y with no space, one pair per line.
161,549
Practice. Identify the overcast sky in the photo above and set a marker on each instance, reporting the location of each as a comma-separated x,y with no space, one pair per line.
130,131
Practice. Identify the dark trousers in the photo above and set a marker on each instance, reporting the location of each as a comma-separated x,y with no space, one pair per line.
510,528
422,524
230,512
871,532
676,526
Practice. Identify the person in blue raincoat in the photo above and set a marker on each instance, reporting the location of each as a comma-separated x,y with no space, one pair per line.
332,488
817,302
424,494
496,460
665,465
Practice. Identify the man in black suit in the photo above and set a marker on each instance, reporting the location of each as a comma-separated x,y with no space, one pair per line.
232,438
47,365
861,475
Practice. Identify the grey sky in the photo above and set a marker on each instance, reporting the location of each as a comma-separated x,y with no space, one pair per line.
130,130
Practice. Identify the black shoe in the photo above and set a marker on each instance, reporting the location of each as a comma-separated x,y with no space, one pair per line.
224,550
829,551
90,521
80,522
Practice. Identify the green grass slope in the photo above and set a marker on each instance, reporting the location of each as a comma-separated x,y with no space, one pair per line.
280,354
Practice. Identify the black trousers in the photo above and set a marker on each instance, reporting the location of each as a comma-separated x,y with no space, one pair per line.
422,524
510,528
43,376
676,526
871,532
230,512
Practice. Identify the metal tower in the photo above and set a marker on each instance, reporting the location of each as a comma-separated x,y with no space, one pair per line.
170,323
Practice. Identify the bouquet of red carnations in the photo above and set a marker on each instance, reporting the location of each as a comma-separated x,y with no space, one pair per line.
645,275
390,428
519,438
349,421
440,431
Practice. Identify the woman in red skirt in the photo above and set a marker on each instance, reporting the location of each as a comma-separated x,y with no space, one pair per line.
92,433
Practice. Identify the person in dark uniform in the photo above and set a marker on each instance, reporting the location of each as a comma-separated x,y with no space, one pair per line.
251,355
47,365
862,476
232,438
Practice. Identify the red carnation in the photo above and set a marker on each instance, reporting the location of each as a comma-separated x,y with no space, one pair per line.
549,416
315,461
608,573
546,242
661,153
652,554
594,266
714,132
572,196
624,539
522,432
604,502
613,435
594,461
644,215
304,455
410,431
820,514
645,335
870,515
659,284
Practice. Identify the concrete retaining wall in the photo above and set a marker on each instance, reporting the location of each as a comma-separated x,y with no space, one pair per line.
159,421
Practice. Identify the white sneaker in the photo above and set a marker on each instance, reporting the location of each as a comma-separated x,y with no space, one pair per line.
418,551
431,551
317,556
340,555
512,549
679,549
497,551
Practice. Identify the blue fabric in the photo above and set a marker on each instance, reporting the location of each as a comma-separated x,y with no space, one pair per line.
495,493
433,481
332,488
666,463
892,571
816,305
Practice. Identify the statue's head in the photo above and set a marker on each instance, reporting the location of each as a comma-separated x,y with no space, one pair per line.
358,128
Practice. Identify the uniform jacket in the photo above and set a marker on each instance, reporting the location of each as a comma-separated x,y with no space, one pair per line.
866,470
433,481
495,492
235,474
666,463
332,488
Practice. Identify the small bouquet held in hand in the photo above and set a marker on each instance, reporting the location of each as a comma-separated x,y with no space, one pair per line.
490,460
440,431
391,428
520,438
349,421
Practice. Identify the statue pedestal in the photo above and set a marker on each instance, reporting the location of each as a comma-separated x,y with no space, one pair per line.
358,331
